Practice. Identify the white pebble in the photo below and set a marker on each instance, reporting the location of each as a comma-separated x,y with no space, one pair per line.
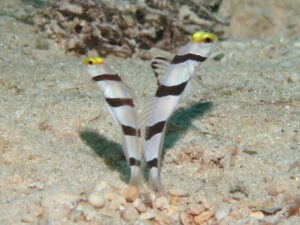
148,215
96,199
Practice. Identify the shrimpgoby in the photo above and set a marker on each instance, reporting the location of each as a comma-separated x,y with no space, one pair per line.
173,78
119,99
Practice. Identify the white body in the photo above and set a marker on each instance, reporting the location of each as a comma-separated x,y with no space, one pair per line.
164,106
124,115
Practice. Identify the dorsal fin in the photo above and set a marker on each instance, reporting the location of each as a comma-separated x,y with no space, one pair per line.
144,117
160,66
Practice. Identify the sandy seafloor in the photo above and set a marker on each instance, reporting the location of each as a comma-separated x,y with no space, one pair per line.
234,142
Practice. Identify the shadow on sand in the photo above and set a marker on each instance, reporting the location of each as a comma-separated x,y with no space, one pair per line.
182,120
111,152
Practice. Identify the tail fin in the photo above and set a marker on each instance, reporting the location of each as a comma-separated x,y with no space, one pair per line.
135,176
155,181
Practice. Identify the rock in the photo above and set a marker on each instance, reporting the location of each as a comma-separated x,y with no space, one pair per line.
195,209
257,215
130,214
96,199
186,219
161,203
233,150
37,185
203,217
162,218
139,205
174,200
148,215
130,193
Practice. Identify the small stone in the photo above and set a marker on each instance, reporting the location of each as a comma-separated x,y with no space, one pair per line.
235,215
139,205
195,209
178,192
96,199
203,217
148,215
186,219
131,193
130,214
257,215
174,200
163,219
37,185
161,203
233,150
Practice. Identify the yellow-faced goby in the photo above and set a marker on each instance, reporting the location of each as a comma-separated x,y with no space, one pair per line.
121,106
175,77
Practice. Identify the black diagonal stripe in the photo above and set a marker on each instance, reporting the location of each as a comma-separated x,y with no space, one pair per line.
152,163
131,131
106,77
189,56
154,64
154,67
170,90
117,102
154,129
134,162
